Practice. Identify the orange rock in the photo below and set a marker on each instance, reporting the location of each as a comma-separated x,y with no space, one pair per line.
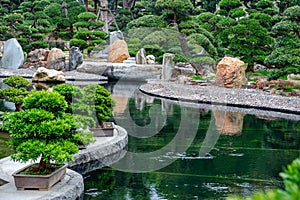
230,73
118,52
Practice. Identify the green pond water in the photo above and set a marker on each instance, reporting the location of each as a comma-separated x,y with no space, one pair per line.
181,151
192,153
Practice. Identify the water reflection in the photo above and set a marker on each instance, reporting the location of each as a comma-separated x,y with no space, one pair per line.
229,123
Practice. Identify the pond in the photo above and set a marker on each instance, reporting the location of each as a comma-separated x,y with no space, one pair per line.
188,151
182,151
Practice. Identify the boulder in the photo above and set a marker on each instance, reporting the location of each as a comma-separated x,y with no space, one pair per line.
56,59
48,75
37,58
140,57
13,55
150,59
75,59
230,73
118,52
114,36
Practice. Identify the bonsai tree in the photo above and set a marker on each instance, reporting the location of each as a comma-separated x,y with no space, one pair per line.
92,100
74,96
17,90
44,131
99,103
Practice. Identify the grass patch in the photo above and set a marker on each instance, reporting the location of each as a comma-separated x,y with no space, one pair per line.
198,78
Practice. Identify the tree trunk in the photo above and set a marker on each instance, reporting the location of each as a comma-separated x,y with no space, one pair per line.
104,14
86,3
175,17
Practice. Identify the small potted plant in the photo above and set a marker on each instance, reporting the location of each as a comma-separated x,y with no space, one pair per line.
16,91
44,132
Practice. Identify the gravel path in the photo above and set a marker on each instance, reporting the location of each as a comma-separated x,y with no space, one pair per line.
245,98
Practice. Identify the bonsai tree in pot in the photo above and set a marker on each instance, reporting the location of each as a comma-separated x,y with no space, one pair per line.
44,132
17,90
92,100
100,103
74,97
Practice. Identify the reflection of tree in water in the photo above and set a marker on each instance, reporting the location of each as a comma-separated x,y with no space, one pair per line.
103,182
283,133
116,185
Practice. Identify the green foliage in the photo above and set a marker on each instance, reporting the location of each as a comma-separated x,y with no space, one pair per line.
17,91
203,41
48,101
88,34
16,81
92,100
147,21
99,101
176,6
277,73
81,44
43,130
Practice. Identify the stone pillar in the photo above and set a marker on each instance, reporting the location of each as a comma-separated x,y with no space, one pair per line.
140,57
168,66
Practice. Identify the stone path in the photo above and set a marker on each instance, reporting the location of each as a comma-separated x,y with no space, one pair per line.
212,95
70,75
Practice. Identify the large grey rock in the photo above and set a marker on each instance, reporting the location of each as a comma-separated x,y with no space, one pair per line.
13,56
56,59
75,59
140,57
122,71
114,36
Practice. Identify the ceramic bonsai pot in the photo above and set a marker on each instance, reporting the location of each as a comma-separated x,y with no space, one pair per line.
40,182
106,131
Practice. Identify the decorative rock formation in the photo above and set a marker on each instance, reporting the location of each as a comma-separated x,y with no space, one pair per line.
56,59
230,73
150,59
140,57
48,75
75,59
37,58
229,123
13,56
118,52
